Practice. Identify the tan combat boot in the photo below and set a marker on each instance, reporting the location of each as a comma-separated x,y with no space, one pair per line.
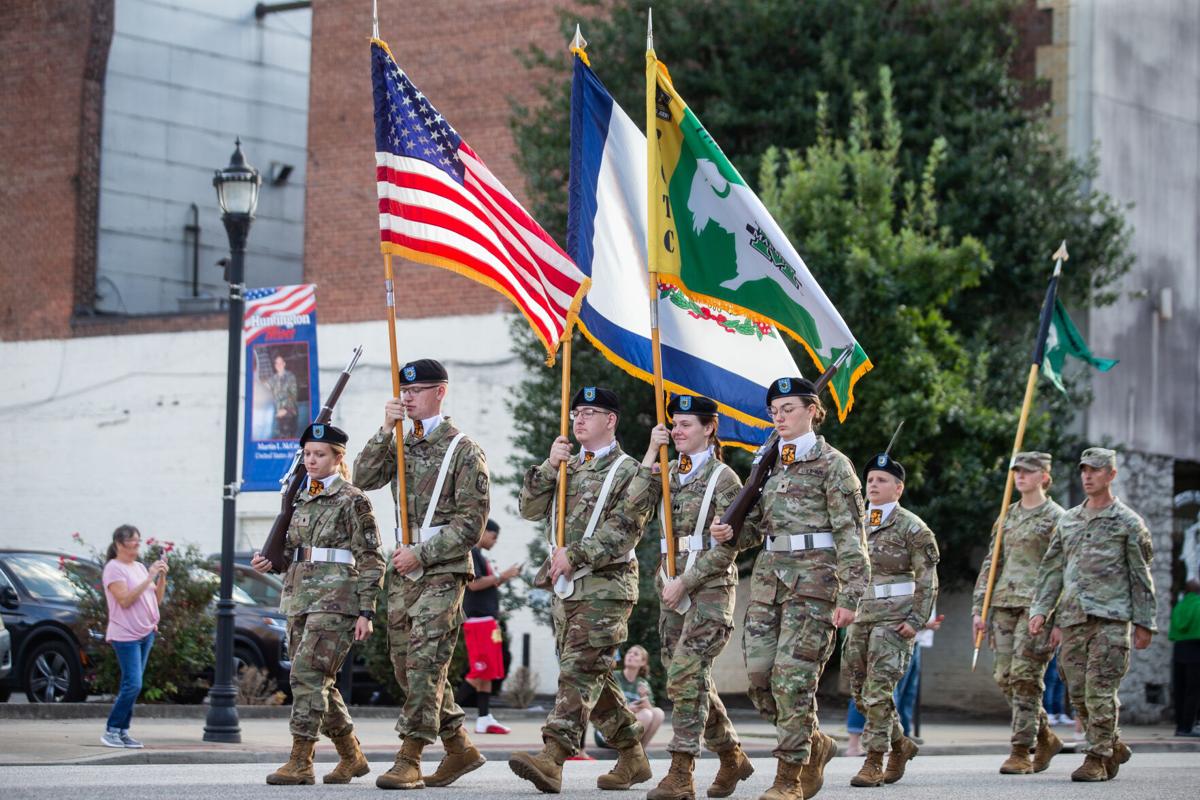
903,751
1120,754
351,761
632,767
1091,770
871,773
1018,762
677,783
787,783
544,769
298,771
406,772
821,752
461,757
734,767
1048,746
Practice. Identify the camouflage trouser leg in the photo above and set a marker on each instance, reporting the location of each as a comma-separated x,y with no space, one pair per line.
1020,670
786,642
876,656
319,644
586,634
690,643
423,621
1094,658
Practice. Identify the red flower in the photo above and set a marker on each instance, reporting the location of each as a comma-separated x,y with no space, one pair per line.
76,536
151,540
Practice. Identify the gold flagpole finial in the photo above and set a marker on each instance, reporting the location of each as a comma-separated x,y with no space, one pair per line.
1060,255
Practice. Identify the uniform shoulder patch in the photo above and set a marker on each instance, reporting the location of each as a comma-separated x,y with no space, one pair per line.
362,504
481,482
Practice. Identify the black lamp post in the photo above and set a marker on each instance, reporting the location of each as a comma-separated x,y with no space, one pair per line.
237,192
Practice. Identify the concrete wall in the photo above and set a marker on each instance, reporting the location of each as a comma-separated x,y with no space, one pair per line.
184,78
127,429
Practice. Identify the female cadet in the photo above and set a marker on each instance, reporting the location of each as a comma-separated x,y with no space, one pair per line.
1021,658
329,596
702,486
807,582
898,603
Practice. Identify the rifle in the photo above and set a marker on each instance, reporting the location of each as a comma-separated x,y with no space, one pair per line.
293,480
764,461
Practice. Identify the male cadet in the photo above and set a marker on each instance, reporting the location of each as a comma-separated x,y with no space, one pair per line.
1095,577
595,596
447,481
897,604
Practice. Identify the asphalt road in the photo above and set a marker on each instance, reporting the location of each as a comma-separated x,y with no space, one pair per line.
1162,776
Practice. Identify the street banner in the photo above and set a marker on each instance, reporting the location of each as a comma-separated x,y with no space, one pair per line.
282,380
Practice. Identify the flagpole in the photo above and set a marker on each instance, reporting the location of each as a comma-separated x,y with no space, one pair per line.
652,254
564,417
401,483
1039,352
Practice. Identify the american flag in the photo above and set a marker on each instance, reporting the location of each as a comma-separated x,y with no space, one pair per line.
277,305
439,204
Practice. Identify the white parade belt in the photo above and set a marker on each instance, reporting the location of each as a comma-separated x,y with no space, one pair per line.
330,555
885,590
686,544
791,542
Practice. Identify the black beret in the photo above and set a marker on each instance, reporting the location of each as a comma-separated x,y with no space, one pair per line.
791,387
424,370
885,463
325,433
691,404
492,525
596,396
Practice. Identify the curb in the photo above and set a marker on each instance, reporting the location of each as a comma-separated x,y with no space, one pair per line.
376,755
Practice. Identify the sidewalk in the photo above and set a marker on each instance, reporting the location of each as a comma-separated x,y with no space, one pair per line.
179,739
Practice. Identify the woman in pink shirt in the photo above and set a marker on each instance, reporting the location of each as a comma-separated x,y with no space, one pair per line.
133,593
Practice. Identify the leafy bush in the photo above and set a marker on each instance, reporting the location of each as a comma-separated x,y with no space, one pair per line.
183,648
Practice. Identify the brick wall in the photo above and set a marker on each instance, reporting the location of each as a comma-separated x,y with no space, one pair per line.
52,57
468,72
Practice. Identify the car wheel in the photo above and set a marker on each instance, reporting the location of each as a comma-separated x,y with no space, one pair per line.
244,656
53,674
5,692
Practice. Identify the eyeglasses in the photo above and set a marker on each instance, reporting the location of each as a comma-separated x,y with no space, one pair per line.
782,411
587,413
415,390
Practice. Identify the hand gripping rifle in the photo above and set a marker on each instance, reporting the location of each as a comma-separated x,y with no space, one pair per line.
764,462
293,480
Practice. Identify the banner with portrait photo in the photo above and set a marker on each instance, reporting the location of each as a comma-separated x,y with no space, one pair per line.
282,380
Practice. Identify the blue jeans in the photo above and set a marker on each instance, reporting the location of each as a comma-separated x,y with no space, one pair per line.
1052,698
905,698
132,658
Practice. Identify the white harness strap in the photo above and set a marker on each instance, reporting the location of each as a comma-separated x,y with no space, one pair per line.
697,541
566,586
427,531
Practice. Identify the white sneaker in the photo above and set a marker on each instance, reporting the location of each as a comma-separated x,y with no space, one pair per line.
129,741
1065,719
1053,719
488,724
112,738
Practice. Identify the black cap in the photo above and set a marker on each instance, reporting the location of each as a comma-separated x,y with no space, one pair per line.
885,463
691,404
791,387
596,396
424,370
492,526
325,433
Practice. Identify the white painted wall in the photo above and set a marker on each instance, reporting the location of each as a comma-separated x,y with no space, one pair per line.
120,429
185,77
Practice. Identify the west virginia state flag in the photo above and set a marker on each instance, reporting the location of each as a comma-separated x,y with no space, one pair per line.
718,243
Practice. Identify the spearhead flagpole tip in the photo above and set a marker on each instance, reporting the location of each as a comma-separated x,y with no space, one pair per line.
577,41
1061,252
974,658
649,28
375,19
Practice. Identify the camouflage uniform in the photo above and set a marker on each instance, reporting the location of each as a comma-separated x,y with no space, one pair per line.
1020,657
593,621
1096,573
424,615
692,640
322,601
789,633
902,549
285,393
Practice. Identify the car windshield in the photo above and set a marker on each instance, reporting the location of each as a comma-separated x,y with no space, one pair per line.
42,576
238,596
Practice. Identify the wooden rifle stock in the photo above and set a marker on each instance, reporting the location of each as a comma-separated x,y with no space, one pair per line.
294,479
764,462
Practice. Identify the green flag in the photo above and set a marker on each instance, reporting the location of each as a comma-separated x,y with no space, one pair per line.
1064,340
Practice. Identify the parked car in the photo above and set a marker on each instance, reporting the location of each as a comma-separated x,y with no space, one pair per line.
52,650
260,629
5,661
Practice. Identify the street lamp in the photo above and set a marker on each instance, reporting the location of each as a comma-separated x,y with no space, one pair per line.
237,192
